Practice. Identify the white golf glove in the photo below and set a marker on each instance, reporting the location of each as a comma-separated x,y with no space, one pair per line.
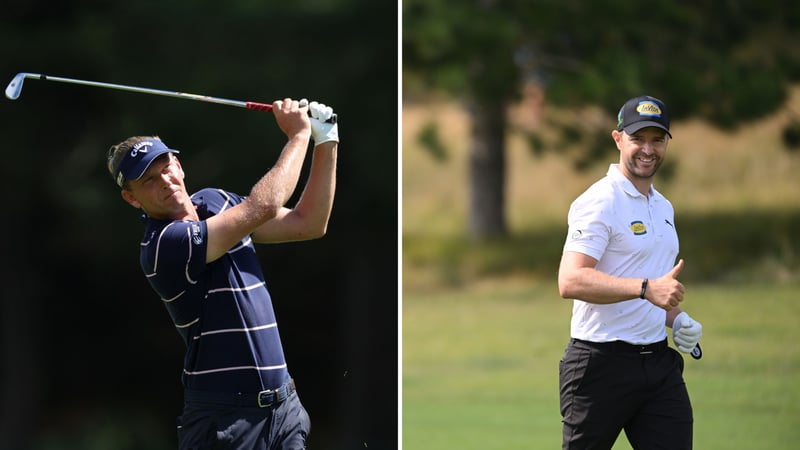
322,131
686,332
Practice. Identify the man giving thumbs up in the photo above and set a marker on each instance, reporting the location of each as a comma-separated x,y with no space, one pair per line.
618,266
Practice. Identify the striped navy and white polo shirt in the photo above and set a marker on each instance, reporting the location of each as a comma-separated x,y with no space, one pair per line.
223,310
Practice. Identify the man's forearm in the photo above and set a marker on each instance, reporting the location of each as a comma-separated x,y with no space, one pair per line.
316,202
275,188
593,286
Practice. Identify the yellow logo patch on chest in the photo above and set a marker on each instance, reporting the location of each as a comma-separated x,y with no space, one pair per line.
638,227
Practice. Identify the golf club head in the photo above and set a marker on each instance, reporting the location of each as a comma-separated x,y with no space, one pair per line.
14,88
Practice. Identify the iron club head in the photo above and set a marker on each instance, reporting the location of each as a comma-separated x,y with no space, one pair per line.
14,88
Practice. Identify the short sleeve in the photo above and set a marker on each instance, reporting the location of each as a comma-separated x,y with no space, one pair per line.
588,231
175,257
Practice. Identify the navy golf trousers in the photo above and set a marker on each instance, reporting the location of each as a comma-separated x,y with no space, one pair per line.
207,426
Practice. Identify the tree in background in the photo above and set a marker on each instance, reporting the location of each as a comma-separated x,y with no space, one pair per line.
725,63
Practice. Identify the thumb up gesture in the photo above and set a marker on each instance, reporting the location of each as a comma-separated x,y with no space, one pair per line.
666,292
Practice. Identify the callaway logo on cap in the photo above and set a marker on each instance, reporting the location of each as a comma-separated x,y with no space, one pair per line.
642,112
140,147
139,158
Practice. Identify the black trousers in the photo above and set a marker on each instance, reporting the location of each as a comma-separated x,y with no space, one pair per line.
609,387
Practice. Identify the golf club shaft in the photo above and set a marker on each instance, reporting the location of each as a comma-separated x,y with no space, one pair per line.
15,88
141,90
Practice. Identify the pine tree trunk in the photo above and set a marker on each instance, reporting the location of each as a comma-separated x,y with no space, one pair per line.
487,172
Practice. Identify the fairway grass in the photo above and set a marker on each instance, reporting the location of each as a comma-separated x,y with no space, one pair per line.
480,367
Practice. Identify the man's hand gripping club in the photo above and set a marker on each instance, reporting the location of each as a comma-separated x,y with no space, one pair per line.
321,130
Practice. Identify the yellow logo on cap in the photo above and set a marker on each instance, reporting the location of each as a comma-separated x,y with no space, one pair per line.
638,228
648,109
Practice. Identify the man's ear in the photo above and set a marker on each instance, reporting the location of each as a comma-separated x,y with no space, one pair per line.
128,197
617,136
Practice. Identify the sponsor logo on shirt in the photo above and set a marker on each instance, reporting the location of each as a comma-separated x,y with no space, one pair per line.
197,238
638,227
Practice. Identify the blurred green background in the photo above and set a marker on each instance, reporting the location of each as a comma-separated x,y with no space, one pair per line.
89,357
508,108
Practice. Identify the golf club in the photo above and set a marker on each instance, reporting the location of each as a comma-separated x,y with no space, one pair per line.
14,90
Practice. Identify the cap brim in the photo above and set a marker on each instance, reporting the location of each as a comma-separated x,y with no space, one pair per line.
139,169
634,127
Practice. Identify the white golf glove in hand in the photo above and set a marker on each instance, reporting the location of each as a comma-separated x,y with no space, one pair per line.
686,332
322,131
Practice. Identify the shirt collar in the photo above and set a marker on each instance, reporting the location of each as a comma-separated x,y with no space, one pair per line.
617,176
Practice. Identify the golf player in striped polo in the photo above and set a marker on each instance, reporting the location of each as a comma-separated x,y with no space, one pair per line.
199,256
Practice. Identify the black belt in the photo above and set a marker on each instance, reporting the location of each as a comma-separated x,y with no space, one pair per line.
624,347
263,399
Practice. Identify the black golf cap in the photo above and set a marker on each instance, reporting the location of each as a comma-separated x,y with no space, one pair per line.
641,112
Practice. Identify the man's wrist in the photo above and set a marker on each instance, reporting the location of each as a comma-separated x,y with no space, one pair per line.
327,145
304,135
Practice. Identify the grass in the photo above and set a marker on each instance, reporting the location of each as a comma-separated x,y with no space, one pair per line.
480,367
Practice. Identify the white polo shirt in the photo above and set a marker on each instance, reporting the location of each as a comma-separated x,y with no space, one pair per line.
630,235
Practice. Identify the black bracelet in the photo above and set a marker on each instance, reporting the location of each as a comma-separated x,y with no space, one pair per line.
644,288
